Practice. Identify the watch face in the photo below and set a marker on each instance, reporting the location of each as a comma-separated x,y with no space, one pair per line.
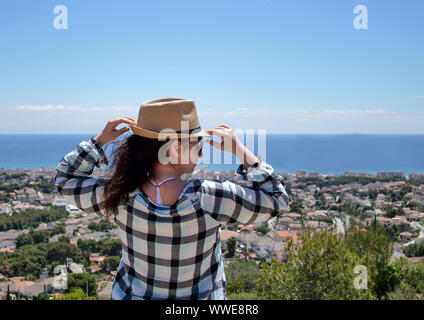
241,169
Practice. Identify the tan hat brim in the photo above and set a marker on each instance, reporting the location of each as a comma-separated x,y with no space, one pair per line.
155,135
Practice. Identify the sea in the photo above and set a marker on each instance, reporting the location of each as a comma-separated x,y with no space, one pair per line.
287,153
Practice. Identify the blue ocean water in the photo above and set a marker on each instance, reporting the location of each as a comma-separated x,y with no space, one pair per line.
322,153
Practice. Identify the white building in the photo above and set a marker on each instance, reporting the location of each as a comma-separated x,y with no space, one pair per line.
73,211
60,201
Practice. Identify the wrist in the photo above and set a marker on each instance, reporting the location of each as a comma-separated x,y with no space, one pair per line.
246,157
100,142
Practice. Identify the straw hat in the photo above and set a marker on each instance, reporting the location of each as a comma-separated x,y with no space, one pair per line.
168,118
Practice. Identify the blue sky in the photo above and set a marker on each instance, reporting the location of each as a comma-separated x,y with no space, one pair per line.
286,66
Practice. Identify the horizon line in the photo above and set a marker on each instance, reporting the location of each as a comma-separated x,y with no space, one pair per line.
268,133
406,173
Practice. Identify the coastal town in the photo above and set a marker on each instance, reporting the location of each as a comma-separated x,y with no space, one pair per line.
90,243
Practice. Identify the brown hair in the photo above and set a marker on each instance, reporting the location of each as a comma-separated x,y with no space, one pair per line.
133,160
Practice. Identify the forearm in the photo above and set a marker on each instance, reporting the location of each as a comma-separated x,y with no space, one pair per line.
227,202
73,177
246,157
81,161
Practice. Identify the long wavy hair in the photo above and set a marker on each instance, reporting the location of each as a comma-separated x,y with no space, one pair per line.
133,159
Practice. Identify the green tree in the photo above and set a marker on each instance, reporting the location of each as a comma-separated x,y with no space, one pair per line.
390,212
393,232
372,194
80,280
88,246
374,249
111,247
28,260
296,205
231,245
40,236
58,229
58,252
321,202
104,225
23,239
110,263
65,239
31,218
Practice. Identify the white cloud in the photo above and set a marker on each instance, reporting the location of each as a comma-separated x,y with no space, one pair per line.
74,108
60,118
360,112
79,119
317,121
48,108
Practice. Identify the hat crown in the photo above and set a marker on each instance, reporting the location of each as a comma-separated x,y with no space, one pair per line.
160,115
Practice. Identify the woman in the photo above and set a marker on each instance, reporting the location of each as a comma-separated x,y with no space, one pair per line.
169,228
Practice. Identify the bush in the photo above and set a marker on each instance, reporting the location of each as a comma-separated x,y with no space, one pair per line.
243,296
410,284
414,250
241,276
238,267
262,230
244,283
42,296
320,268
75,293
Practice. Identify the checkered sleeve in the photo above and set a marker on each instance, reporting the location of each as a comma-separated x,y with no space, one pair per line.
73,177
228,202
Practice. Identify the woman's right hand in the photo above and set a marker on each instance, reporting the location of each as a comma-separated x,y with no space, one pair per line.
109,133
231,143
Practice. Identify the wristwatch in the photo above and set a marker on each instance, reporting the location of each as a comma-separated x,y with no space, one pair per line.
243,170
95,142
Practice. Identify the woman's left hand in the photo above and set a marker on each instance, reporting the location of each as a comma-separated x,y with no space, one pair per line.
109,133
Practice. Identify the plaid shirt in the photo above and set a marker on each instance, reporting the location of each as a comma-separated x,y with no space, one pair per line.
172,252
